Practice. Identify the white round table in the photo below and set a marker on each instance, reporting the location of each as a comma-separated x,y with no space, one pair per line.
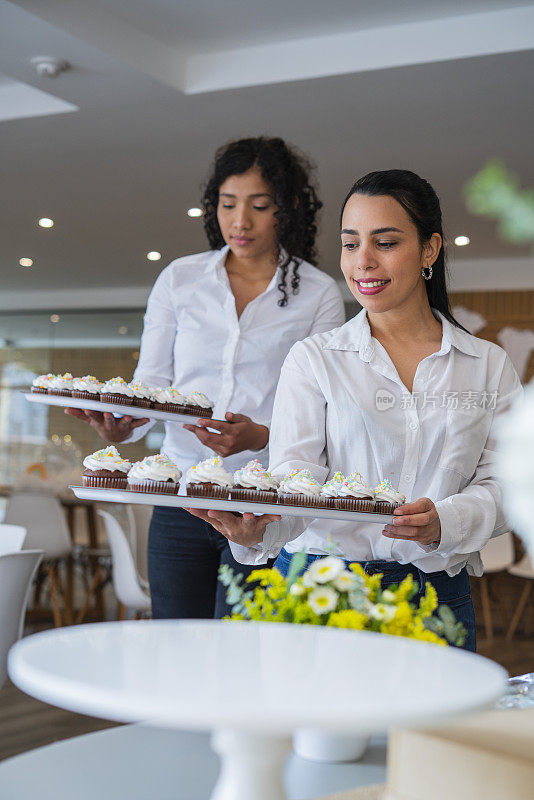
253,684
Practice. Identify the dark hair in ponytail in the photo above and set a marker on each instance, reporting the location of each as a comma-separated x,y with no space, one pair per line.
421,203
288,173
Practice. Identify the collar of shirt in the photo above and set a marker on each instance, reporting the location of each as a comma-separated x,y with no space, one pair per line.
356,335
218,263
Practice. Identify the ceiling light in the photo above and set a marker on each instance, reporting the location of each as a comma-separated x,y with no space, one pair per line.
46,222
123,329
48,66
54,317
67,438
25,262
461,241
153,255
194,212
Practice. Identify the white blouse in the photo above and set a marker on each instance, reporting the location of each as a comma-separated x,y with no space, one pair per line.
193,340
341,405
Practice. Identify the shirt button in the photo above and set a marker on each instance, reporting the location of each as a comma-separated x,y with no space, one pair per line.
408,478
413,426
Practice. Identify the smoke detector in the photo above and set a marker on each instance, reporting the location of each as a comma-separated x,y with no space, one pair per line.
49,67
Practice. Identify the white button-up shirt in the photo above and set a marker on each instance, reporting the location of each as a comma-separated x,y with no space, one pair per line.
341,405
193,340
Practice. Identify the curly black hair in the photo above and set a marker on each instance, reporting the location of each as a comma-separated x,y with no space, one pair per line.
288,173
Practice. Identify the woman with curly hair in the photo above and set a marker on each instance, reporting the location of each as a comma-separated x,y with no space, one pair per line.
222,322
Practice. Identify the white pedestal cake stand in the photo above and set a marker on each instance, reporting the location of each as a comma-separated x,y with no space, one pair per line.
253,684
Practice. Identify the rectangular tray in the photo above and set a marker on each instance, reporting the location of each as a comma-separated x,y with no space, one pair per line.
114,408
182,501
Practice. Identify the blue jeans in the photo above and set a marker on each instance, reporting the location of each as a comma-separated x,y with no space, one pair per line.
184,556
454,592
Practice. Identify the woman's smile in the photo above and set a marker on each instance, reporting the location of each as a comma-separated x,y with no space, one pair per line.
368,286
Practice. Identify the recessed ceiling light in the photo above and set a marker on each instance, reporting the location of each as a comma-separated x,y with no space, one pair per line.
25,262
54,317
123,329
46,222
194,212
153,255
67,438
461,241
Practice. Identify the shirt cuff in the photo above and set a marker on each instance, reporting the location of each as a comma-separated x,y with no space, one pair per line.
451,527
260,553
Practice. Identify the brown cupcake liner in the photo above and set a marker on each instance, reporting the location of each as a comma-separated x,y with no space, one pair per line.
208,490
384,507
61,392
298,500
196,411
85,395
141,402
157,487
39,390
104,483
248,495
327,502
118,399
170,408
354,504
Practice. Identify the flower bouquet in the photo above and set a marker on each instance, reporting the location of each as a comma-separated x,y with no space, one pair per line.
328,593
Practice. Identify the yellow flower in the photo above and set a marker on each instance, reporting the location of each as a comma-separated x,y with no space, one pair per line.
429,601
347,619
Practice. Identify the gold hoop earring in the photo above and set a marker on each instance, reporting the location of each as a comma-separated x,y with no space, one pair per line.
424,274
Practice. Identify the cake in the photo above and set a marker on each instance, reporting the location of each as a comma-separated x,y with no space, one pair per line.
330,491
116,390
355,495
61,385
387,499
253,483
154,474
86,388
299,488
106,469
41,384
168,399
142,394
197,404
209,479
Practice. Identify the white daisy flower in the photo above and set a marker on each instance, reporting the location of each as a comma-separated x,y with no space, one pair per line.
297,589
383,613
323,600
307,580
326,569
388,596
344,582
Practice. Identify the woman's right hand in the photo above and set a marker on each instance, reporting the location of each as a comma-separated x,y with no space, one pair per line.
110,428
245,529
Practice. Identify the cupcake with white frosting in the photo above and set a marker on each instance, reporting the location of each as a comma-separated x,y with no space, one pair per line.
117,391
330,491
387,498
106,469
168,399
355,495
142,394
254,483
61,385
41,384
155,474
198,404
209,479
299,488
86,388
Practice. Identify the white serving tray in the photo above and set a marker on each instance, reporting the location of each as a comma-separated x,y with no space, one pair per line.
114,408
182,501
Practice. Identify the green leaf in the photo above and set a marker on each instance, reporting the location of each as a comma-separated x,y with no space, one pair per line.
298,562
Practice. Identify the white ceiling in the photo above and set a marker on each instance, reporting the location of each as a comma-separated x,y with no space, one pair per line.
118,175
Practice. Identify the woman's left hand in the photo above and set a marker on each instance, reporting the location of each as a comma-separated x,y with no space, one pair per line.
415,522
238,433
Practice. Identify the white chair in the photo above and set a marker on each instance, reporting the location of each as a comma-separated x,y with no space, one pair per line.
17,571
139,517
43,517
523,569
496,556
11,538
130,589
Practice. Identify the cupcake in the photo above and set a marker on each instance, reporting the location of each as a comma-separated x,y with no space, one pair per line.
105,469
168,399
355,495
209,479
41,384
154,474
330,491
299,488
387,498
198,404
116,391
142,394
86,388
61,385
254,483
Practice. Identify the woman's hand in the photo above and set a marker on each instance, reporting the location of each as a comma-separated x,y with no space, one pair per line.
245,529
415,522
109,427
238,433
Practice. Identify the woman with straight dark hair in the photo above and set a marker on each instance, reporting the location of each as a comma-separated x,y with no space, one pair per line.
222,322
401,393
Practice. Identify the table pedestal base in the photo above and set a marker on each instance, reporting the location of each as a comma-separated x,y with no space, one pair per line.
251,765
